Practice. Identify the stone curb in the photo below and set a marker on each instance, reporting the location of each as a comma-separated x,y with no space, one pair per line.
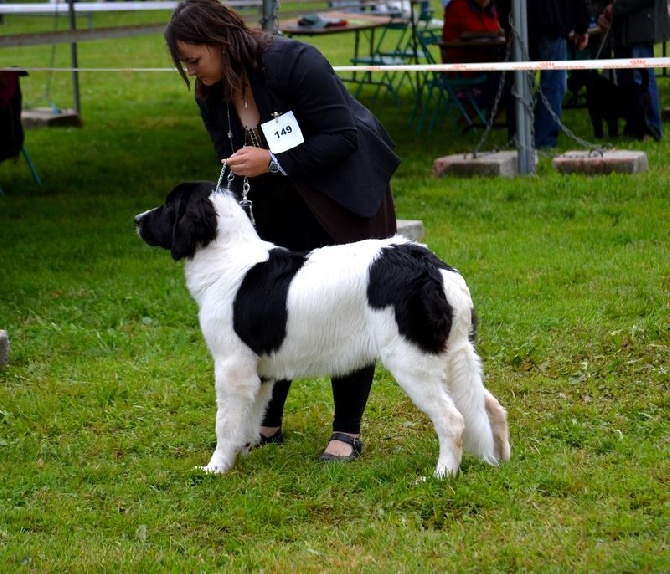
4,349
616,161
498,164
410,228
47,118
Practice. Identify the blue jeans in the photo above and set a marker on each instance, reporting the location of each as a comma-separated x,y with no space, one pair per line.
553,85
627,76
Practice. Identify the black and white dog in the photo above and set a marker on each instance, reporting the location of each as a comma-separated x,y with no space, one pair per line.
608,101
269,314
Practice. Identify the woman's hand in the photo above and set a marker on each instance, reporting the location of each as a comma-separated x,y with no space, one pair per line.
605,19
581,41
249,161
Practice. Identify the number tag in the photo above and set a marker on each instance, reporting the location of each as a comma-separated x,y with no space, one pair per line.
282,133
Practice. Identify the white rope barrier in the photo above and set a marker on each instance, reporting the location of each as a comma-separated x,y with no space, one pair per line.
615,63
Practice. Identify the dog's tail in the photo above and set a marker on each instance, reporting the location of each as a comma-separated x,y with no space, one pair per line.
464,373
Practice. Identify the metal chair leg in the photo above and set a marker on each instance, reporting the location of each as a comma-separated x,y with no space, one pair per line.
31,166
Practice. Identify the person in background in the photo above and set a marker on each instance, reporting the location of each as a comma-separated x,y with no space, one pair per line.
468,16
330,185
550,23
635,26
472,16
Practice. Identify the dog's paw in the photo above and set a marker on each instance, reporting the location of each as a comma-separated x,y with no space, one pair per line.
220,462
442,472
212,468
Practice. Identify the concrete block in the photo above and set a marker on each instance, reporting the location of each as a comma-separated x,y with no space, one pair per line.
498,164
49,118
4,349
410,228
590,163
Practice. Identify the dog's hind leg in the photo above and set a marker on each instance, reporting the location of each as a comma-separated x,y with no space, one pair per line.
424,385
237,389
498,421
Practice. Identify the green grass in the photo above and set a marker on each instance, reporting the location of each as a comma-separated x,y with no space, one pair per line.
108,401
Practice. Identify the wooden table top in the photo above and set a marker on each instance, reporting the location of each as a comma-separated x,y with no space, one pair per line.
354,21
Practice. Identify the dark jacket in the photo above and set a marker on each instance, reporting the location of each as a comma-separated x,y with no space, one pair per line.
347,154
555,19
640,22
11,130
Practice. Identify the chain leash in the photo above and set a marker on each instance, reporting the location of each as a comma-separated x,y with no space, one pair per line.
245,203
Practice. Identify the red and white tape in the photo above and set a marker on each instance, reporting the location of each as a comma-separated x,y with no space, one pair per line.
525,66
615,63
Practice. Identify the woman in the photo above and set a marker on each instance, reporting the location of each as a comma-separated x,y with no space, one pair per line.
479,16
469,16
325,179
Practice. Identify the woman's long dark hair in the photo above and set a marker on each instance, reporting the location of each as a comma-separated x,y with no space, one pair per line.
210,23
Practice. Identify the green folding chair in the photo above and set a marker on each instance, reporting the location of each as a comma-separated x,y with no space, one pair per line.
443,94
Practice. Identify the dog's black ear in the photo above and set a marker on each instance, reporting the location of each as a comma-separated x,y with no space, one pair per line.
195,223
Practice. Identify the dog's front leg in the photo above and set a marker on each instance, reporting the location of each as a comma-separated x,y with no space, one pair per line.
237,386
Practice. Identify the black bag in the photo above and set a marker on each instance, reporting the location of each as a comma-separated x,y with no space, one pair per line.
11,130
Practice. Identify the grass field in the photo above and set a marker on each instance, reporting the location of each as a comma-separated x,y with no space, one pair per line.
108,402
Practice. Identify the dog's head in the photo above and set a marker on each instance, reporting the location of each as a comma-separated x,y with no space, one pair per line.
186,219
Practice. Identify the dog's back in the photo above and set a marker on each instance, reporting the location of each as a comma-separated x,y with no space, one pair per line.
346,296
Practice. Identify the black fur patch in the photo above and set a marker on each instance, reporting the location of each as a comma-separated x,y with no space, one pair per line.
195,217
408,278
260,311
185,220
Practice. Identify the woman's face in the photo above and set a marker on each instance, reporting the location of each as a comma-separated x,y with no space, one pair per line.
202,61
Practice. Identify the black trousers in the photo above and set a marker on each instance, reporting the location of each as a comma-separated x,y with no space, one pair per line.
350,394
283,217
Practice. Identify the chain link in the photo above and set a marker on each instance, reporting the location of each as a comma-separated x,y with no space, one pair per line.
496,102
245,203
217,189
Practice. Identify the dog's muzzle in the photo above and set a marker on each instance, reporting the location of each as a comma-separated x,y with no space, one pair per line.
141,228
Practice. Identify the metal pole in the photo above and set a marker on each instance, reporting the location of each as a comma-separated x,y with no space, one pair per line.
269,18
75,60
526,152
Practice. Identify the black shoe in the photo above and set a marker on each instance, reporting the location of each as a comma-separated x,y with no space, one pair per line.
276,438
355,442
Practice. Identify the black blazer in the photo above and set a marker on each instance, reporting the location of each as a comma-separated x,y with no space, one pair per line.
347,154
555,19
